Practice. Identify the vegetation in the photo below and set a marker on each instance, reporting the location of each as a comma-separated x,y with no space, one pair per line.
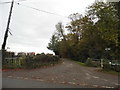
92,63
110,72
40,60
80,63
30,62
93,35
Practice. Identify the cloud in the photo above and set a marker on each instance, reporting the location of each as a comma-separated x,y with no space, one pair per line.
33,29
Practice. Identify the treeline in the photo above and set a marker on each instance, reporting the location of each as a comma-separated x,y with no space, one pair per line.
93,35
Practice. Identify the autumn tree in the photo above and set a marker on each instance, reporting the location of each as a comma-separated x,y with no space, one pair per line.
89,35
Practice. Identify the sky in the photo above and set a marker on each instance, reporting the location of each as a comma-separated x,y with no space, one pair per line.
31,29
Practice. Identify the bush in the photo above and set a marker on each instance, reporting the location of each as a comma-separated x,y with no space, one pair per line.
28,62
89,62
32,61
106,64
40,60
115,68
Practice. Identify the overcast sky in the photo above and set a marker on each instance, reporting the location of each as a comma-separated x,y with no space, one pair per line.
33,29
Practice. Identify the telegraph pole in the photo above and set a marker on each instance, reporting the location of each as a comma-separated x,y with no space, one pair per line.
6,34
7,28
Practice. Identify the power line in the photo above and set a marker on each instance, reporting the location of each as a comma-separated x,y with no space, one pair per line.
11,2
34,8
42,10
4,2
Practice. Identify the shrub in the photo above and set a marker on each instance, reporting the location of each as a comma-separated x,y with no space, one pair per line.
28,62
33,61
106,64
89,62
40,60
115,68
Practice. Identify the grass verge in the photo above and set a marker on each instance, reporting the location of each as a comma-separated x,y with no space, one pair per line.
110,72
104,71
80,63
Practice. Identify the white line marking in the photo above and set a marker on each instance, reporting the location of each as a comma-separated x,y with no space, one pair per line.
52,78
83,84
62,82
95,85
104,79
95,77
9,76
107,87
41,80
25,78
88,76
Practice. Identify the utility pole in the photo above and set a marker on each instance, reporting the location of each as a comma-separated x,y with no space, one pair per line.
7,28
6,34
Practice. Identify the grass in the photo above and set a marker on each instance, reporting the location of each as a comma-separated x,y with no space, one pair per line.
80,63
110,72
104,71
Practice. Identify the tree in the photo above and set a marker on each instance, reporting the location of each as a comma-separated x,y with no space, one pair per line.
106,19
54,44
63,42
107,23
89,35
58,41
60,31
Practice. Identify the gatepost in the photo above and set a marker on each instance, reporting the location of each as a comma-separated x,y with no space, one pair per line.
101,63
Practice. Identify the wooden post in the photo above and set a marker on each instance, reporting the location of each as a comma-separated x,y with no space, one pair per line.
101,63
7,29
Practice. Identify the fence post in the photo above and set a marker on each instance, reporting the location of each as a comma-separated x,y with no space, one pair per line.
101,63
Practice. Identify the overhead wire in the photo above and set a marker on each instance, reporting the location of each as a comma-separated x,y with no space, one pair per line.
17,2
41,10
11,1
4,2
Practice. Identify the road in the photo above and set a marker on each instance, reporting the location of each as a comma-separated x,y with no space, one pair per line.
67,73
16,83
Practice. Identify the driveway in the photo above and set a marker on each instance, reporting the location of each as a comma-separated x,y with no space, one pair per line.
66,73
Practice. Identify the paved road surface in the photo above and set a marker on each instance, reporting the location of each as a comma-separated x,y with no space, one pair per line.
67,73
16,83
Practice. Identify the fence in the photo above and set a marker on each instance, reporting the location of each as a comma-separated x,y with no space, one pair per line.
104,64
14,62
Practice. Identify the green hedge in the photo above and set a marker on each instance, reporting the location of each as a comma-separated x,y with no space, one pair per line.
32,61
91,63
40,60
